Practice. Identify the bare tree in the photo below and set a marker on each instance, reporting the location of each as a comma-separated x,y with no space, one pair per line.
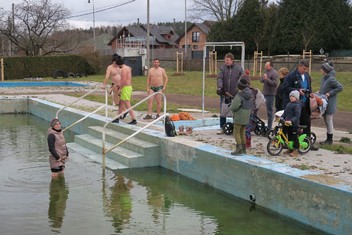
220,10
33,27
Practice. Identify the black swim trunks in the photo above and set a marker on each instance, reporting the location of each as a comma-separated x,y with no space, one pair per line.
156,88
58,169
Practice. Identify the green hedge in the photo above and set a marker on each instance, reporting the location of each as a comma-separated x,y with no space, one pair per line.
44,66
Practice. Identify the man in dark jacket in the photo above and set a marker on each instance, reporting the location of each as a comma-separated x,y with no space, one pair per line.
300,80
270,81
227,81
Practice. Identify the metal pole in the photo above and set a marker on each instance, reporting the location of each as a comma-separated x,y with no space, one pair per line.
94,48
186,29
148,33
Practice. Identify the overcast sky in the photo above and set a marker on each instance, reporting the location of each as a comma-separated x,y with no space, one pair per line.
121,12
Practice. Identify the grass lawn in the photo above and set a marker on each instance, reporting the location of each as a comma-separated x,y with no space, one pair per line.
191,83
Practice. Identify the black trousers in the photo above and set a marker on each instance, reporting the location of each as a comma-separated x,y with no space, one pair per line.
305,118
292,134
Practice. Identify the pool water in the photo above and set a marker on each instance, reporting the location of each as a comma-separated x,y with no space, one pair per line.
35,84
88,200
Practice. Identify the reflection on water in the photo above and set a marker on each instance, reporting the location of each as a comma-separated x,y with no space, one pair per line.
89,200
118,202
57,202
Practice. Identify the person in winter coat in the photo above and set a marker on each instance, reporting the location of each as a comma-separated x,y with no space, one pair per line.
278,97
227,80
57,148
241,110
292,115
329,87
270,81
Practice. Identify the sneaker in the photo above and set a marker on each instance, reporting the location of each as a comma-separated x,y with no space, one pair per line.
148,116
157,116
116,120
133,122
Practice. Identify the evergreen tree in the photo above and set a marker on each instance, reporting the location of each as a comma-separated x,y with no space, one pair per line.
249,24
311,25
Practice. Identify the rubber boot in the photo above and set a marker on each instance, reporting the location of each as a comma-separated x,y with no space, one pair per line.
244,148
248,142
238,150
328,139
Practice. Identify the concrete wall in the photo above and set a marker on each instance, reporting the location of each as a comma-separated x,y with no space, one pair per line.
274,186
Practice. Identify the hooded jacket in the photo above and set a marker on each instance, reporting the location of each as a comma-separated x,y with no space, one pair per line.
241,107
330,85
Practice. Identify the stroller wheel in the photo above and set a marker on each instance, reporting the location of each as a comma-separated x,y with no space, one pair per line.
313,137
228,128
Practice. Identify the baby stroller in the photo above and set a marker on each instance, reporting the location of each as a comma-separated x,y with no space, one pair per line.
259,126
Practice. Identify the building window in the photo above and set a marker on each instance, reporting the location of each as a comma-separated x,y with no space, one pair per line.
195,36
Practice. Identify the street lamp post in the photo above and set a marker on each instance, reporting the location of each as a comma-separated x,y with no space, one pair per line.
93,25
185,29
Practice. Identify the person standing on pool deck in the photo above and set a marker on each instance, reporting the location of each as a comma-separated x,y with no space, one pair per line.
156,82
113,72
126,90
57,148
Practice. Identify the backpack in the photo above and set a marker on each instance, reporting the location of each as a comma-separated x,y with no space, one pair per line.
169,127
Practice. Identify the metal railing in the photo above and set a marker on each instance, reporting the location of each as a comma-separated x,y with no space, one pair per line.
104,150
91,113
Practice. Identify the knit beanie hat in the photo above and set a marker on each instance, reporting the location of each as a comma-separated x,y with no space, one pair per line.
295,94
53,122
326,67
242,83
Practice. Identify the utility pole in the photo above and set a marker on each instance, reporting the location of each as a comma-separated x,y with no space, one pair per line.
94,48
148,33
186,29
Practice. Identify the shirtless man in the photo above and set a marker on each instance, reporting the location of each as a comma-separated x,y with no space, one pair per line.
125,90
156,82
113,72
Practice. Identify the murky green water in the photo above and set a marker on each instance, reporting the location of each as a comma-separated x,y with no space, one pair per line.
88,201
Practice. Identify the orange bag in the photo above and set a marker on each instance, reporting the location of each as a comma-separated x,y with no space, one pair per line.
185,116
175,117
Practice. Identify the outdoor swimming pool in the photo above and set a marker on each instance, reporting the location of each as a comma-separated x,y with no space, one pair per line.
34,84
90,201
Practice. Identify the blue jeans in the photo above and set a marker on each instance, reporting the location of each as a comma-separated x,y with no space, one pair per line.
222,119
270,109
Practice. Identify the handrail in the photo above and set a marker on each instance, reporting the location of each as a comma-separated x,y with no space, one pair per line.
93,112
104,150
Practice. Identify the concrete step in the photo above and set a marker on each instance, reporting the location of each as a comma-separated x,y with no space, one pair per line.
78,150
120,154
136,144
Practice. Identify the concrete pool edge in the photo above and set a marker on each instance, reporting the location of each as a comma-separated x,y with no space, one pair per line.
277,187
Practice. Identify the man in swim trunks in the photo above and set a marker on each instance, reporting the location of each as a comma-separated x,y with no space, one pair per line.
125,90
156,82
113,72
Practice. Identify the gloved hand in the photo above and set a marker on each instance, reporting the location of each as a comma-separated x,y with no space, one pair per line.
220,91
